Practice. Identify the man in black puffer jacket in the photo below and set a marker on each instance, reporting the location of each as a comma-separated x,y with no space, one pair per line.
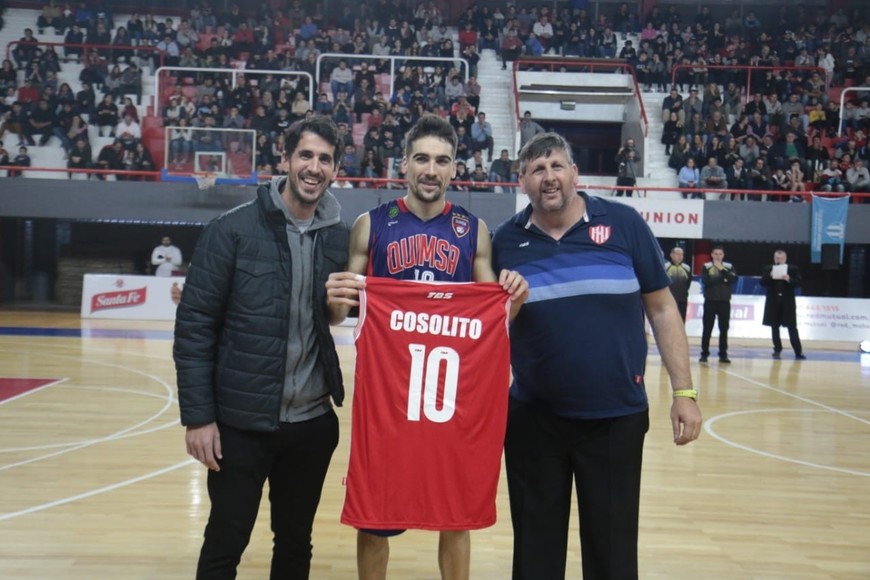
255,361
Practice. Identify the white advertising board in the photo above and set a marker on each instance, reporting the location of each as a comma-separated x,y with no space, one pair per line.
667,218
130,297
837,319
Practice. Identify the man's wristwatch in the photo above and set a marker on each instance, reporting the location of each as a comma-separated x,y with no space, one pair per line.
690,393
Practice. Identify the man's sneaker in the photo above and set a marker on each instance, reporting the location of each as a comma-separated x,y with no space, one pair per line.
703,358
776,354
724,360
800,356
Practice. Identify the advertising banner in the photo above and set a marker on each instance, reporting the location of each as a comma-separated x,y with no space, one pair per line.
828,225
836,319
130,297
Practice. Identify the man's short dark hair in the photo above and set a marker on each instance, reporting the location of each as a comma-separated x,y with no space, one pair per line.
431,125
543,145
320,125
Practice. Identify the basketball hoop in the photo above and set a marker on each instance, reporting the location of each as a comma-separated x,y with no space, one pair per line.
205,180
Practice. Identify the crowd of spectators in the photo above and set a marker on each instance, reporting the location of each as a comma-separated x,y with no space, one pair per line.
789,116
774,129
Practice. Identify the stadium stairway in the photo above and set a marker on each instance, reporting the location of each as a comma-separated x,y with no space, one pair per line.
52,154
656,170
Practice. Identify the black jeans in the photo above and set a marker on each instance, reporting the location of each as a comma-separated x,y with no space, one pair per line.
543,454
294,459
714,309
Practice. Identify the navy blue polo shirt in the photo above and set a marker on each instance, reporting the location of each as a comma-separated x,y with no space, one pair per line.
578,347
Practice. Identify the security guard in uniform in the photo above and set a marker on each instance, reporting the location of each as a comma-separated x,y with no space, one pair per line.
681,278
718,277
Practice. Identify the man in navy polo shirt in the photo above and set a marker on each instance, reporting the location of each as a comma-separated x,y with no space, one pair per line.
578,405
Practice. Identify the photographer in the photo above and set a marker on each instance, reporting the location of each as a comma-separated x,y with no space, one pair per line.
627,158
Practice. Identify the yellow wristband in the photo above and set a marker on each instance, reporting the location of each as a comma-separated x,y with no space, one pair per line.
690,393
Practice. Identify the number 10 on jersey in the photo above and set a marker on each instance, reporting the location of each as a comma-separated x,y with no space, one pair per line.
423,383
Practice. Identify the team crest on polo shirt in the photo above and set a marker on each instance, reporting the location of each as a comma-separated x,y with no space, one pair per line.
599,234
461,225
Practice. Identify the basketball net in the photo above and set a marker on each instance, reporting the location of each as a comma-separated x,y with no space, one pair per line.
205,180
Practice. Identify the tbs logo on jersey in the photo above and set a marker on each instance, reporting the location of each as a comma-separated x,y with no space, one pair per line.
461,225
599,234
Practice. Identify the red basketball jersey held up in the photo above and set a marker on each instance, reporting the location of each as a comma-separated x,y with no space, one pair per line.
429,405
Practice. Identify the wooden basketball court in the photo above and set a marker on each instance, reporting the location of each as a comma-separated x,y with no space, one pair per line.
95,482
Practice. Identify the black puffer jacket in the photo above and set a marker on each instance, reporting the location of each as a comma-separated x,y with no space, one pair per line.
231,326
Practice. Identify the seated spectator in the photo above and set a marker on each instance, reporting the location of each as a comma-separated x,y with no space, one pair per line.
832,179
41,122
94,70
481,135
20,160
690,177
281,123
787,149
79,156
371,166
479,180
128,132
121,43
795,179
74,36
107,115
475,160
181,142
713,176
26,49
14,121
8,76
51,15
502,169
350,160
749,150
460,181
131,82
858,177
341,79
341,179
170,50
4,155
680,153
737,177
35,76
63,126
759,177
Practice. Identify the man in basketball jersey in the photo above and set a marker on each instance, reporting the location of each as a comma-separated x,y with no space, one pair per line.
421,236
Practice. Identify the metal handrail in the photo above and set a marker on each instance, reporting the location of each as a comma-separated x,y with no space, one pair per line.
843,102
392,58
233,71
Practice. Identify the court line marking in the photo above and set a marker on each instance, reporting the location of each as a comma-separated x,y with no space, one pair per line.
111,436
174,422
169,398
708,427
798,397
712,420
93,492
36,390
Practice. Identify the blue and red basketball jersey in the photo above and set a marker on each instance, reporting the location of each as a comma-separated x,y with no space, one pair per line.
404,247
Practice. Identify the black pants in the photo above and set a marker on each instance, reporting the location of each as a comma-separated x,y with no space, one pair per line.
683,308
543,453
793,337
625,182
721,310
294,459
